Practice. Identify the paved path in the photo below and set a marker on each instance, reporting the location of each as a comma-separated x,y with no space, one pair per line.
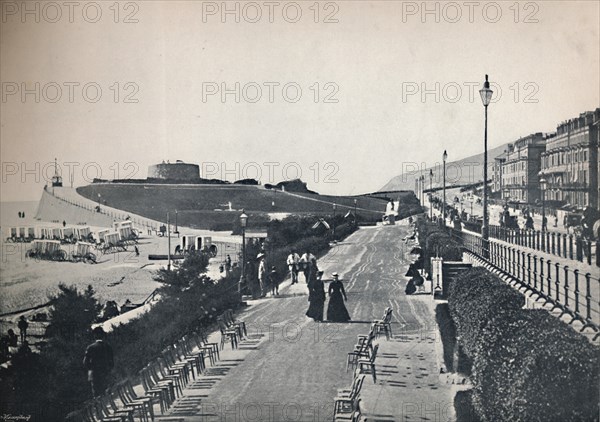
291,367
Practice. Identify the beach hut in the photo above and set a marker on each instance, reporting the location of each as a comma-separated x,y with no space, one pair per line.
112,238
102,234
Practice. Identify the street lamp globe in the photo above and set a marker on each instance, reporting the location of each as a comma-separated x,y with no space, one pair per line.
243,219
445,156
486,92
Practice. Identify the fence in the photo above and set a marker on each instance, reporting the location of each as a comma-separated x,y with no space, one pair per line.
573,292
559,244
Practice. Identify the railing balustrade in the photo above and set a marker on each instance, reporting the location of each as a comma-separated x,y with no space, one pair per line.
557,283
554,243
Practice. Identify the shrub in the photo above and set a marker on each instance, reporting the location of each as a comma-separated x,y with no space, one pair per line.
447,333
442,245
476,297
532,367
435,241
527,364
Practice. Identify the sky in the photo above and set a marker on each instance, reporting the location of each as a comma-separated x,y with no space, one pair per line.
344,94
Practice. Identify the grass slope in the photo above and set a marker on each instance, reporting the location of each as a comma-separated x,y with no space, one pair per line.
198,205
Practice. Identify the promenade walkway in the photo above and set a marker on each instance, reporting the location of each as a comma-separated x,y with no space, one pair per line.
289,368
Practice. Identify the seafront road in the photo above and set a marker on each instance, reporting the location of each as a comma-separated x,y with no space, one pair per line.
290,367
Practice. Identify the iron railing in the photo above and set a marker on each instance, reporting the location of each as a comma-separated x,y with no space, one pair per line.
562,245
572,291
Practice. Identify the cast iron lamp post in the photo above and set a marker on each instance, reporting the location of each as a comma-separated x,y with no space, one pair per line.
243,223
486,97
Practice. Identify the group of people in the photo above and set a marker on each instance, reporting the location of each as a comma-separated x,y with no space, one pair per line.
10,342
305,264
268,280
336,309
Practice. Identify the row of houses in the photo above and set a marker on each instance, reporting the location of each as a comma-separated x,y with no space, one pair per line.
561,167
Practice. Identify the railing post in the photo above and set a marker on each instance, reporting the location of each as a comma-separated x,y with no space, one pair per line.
544,242
523,254
557,281
535,272
528,269
597,253
576,272
588,244
541,275
570,246
559,236
579,248
588,297
549,277
553,237
514,261
537,240
566,268
518,273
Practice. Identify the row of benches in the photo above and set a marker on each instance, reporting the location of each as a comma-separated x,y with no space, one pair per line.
362,361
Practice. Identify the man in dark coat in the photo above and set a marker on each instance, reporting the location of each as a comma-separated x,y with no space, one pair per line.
98,361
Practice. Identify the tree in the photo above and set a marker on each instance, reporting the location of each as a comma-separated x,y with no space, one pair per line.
186,272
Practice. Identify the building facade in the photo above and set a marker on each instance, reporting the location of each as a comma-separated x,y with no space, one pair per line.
570,163
497,173
520,169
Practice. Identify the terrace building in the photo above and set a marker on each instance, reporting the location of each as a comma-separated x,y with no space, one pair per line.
570,163
497,173
520,181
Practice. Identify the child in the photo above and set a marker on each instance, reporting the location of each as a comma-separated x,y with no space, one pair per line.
274,281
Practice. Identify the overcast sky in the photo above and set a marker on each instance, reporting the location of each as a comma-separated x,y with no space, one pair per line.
352,111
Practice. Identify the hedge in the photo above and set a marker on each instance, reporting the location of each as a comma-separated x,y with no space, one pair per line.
475,297
527,364
532,367
435,241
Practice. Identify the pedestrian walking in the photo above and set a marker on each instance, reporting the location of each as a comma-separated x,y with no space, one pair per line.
262,275
316,297
99,362
228,263
529,223
137,251
305,262
23,325
293,262
336,310
274,281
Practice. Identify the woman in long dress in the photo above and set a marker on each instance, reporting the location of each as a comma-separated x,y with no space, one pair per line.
336,310
316,296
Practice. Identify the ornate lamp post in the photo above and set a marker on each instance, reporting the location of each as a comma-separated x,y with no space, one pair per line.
333,219
168,244
444,158
430,194
486,97
243,223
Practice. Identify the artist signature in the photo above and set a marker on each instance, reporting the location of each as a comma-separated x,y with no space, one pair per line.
6,417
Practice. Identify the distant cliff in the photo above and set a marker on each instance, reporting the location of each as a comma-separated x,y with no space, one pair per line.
458,172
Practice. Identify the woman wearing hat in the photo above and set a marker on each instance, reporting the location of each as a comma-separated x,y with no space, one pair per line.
316,297
336,310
